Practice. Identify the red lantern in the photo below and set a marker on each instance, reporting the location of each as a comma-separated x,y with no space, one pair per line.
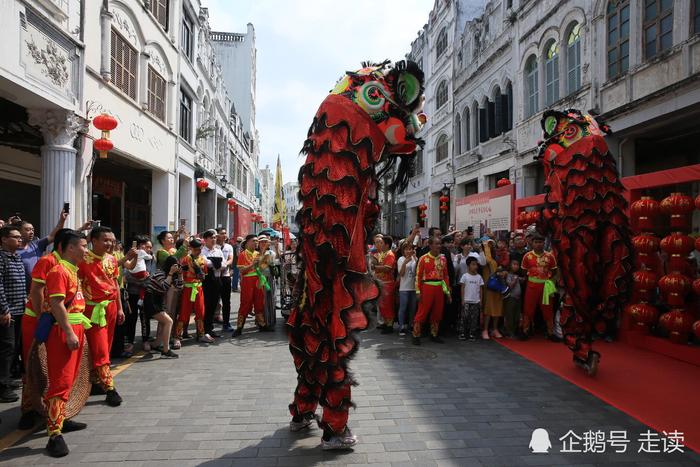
678,323
645,245
533,217
444,208
502,182
232,209
423,207
422,215
444,199
642,314
679,206
696,287
645,211
231,202
202,184
103,145
105,122
643,283
678,246
674,287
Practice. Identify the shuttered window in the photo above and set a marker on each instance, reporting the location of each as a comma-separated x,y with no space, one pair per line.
156,94
159,9
123,64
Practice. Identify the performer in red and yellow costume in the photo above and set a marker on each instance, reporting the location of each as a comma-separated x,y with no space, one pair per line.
99,275
432,289
540,267
585,216
252,293
65,339
384,271
38,295
194,268
360,130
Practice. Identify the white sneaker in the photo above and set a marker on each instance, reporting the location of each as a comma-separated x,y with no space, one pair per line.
298,426
346,440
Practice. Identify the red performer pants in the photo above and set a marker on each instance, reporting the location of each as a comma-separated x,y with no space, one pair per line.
100,341
432,302
62,367
533,299
387,303
28,328
186,307
252,298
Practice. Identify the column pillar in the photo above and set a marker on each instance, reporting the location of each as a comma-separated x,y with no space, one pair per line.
58,158
162,202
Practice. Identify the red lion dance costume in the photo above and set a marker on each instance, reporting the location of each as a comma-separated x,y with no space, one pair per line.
368,120
585,216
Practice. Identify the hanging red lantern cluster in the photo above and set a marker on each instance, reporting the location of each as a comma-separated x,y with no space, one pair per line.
678,323
645,211
105,123
642,314
674,288
202,184
231,205
444,199
527,218
645,246
502,182
680,207
421,213
677,246
643,285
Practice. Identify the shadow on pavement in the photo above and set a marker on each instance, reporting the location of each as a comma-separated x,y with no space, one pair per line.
297,449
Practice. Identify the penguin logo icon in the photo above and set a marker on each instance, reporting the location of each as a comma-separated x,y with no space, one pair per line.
539,443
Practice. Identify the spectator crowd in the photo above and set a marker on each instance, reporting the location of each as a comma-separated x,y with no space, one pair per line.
475,287
166,284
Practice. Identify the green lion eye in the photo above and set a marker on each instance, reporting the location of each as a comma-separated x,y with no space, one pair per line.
408,88
550,124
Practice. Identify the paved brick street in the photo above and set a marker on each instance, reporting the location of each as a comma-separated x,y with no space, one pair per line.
455,404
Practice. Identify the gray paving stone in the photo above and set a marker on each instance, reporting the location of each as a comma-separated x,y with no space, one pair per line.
226,405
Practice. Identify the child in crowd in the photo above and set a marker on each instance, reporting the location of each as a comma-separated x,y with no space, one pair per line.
472,292
407,286
493,298
513,303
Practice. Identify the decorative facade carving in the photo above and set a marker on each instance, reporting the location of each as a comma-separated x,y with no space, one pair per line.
54,63
125,26
156,61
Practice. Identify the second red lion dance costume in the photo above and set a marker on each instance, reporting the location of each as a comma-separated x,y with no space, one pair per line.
585,216
369,119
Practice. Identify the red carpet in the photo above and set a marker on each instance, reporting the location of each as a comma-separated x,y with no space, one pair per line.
659,391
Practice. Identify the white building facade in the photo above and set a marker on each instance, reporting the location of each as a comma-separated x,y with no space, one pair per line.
636,67
41,96
292,204
151,64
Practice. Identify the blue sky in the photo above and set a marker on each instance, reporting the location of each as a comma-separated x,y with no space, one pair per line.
304,46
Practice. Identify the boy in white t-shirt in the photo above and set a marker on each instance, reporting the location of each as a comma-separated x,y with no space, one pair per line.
472,291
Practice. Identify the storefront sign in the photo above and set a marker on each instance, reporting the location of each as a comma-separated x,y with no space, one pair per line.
489,210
